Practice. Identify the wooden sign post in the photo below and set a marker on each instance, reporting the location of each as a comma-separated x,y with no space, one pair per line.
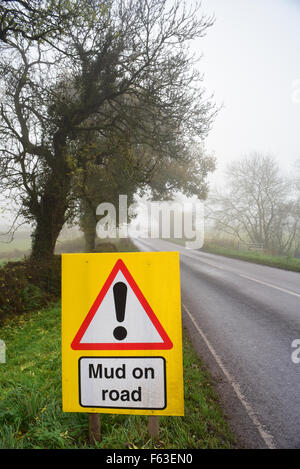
153,426
94,428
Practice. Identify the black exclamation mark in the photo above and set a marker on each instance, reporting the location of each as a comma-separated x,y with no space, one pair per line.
120,294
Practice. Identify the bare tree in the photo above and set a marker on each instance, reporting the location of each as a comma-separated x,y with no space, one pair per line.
257,205
124,48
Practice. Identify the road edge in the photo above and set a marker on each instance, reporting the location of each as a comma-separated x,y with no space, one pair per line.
250,434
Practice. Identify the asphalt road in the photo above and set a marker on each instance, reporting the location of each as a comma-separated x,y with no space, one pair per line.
243,318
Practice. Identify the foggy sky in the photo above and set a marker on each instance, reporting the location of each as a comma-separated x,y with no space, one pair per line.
251,63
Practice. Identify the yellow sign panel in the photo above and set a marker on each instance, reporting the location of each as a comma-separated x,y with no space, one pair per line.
121,333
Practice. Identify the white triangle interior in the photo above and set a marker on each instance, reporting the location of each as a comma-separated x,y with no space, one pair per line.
139,327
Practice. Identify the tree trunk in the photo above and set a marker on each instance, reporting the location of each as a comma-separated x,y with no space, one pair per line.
88,223
90,238
45,236
50,217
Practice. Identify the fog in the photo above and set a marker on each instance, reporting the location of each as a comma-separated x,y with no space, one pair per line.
251,63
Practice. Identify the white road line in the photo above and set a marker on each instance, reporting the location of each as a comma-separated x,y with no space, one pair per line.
266,436
227,269
290,292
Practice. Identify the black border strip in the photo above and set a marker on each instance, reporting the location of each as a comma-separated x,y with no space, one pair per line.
117,407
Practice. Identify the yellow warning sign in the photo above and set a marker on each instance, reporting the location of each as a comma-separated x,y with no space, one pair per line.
121,333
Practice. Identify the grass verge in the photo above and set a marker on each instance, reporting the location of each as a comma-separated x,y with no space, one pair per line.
281,262
30,399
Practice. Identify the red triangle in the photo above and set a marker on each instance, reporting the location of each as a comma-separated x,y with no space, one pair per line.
166,344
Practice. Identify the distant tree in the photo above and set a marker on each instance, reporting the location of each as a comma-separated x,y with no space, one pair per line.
132,169
257,205
186,175
122,171
105,69
286,227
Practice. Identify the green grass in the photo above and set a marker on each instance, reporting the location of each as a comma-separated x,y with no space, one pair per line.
281,262
30,399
